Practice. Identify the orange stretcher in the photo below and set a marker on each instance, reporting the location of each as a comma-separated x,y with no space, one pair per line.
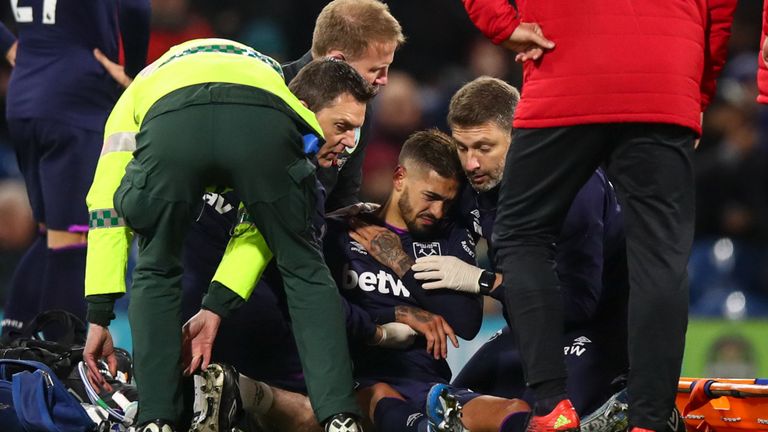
723,405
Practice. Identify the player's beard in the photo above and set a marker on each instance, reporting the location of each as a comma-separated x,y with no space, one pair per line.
494,178
409,216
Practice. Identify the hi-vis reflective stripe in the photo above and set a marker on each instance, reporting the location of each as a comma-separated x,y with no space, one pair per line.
105,218
227,49
119,142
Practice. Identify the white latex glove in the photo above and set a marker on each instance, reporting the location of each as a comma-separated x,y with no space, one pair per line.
396,335
447,272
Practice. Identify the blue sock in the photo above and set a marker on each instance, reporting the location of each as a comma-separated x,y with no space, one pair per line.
514,422
64,284
397,415
23,300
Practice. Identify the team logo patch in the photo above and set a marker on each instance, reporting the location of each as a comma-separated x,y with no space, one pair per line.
426,249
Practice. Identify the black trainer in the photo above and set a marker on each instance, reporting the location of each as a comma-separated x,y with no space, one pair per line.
217,406
342,423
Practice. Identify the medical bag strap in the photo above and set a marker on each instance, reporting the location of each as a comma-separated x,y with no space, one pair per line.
76,330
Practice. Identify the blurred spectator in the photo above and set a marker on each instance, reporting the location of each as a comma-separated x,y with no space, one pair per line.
173,22
266,36
397,113
732,356
482,58
731,185
731,179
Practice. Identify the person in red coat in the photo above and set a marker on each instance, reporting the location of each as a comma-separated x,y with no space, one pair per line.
621,84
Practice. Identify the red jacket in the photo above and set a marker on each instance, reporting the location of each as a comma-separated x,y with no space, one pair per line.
762,71
615,61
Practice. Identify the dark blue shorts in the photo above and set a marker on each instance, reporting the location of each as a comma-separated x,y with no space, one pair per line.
257,339
593,356
57,161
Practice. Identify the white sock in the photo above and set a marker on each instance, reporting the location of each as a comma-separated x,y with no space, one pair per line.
257,396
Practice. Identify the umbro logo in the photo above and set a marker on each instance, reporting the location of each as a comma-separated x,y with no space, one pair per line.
412,418
581,340
357,247
475,213
674,421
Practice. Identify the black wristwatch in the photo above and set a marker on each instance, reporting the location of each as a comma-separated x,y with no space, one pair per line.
486,282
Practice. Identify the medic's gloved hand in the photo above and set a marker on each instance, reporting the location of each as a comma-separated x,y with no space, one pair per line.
447,272
394,335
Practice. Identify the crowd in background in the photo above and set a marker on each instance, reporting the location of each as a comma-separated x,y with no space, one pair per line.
729,264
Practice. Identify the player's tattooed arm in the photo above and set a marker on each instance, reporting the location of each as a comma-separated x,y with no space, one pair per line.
384,246
387,249
434,328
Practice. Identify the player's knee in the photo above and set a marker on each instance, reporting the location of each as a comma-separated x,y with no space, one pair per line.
380,391
514,406
61,239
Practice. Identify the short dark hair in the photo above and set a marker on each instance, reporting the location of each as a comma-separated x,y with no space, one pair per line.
321,81
432,149
482,100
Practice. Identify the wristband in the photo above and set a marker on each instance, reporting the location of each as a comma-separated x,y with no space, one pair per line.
486,282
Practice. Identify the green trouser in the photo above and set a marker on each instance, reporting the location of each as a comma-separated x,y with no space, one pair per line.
226,135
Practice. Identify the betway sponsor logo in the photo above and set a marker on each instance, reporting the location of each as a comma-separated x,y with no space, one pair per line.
382,282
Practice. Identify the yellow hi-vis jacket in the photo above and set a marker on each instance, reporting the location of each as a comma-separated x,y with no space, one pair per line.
195,62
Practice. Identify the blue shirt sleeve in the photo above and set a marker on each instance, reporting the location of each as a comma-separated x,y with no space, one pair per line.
134,31
462,311
360,325
6,39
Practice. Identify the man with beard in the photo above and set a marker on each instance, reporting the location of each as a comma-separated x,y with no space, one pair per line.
590,260
372,265
600,94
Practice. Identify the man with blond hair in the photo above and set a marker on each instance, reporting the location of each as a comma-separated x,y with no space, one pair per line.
365,35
